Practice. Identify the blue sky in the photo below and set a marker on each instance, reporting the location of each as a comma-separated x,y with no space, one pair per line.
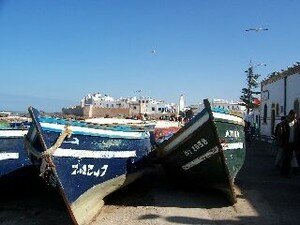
52,53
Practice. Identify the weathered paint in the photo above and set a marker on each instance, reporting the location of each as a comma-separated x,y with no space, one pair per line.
197,122
13,155
200,157
9,155
61,152
107,144
10,133
96,132
228,117
237,145
75,141
234,144
87,206
86,171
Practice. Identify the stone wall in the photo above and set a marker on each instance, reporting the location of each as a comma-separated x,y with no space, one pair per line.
89,111
76,110
111,112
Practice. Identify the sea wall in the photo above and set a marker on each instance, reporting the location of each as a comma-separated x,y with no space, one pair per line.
90,111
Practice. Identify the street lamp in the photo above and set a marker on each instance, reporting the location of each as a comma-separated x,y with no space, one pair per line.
256,65
251,68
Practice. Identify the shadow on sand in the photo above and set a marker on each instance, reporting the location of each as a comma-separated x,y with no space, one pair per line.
274,199
26,200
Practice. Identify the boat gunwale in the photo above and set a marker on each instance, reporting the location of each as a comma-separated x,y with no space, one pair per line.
92,132
76,123
162,154
161,146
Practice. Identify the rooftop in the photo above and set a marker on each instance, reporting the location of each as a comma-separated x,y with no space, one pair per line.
275,76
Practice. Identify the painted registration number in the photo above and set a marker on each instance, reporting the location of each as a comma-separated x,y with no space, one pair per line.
195,147
89,170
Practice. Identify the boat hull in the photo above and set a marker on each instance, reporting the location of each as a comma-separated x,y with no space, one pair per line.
232,136
13,155
199,152
88,164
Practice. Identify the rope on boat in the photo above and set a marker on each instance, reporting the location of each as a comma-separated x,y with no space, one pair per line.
65,133
47,167
50,151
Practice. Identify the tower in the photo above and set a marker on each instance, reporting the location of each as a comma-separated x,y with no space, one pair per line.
181,103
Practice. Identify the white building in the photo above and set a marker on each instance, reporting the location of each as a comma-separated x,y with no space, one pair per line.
4,113
181,103
141,105
152,106
97,99
280,93
253,117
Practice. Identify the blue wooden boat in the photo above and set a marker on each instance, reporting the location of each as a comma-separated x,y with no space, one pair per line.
208,151
86,162
20,125
13,155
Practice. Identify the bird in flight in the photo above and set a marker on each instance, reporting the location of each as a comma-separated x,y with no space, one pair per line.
257,29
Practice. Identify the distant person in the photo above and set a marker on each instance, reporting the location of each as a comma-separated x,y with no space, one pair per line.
289,140
297,151
247,130
278,141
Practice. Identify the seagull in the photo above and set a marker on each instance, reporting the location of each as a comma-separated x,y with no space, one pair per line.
257,29
153,52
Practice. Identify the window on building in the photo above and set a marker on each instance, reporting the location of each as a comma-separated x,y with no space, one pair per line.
281,109
153,108
277,109
106,105
265,113
159,109
112,105
134,107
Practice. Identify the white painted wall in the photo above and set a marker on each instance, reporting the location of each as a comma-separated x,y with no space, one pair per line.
181,103
293,91
276,96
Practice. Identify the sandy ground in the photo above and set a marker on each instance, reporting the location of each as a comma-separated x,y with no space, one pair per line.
263,198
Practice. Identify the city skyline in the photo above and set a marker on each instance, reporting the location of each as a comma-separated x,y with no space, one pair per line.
53,53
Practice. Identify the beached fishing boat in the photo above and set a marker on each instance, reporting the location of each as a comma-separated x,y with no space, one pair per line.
13,155
208,151
86,162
